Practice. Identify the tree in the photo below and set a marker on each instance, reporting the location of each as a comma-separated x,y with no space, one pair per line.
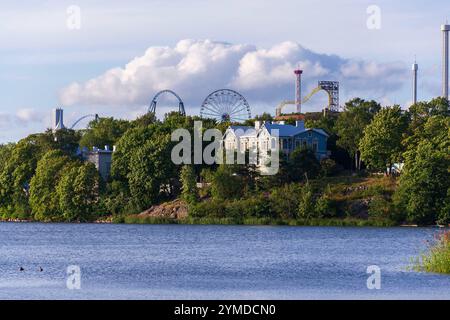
302,163
424,184
325,122
424,188
285,200
421,111
324,205
66,140
16,173
44,200
262,117
78,192
104,132
381,145
226,184
189,184
151,172
351,123
145,120
306,206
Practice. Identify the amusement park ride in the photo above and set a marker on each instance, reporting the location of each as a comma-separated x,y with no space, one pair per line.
152,108
330,87
59,119
226,105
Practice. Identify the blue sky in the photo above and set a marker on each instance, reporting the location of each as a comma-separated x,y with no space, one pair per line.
125,51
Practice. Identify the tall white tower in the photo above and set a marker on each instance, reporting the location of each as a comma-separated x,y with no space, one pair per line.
445,28
415,68
58,119
298,90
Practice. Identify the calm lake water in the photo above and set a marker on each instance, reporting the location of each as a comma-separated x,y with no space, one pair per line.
213,262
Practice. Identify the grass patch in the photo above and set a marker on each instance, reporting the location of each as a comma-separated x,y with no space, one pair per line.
347,222
134,219
437,260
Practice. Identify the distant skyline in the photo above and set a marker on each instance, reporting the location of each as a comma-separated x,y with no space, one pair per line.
125,52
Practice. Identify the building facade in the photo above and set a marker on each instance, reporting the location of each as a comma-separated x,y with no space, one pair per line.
263,136
101,159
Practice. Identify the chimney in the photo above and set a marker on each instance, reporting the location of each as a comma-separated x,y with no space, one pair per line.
257,125
300,124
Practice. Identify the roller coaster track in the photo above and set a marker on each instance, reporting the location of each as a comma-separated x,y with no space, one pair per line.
95,116
152,108
330,87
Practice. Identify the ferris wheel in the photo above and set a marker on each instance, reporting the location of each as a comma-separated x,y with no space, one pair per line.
225,105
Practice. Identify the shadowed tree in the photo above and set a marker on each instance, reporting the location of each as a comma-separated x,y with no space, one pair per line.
351,123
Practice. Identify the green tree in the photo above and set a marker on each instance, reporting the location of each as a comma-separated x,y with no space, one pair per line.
104,132
381,145
421,111
66,140
306,205
284,200
151,172
16,173
226,184
78,192
302,163
44,200
189,184
424,184
324,205
423,192
351,123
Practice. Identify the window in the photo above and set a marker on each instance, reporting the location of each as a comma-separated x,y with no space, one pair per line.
274,143
315,145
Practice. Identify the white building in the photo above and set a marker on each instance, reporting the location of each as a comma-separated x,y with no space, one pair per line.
262,136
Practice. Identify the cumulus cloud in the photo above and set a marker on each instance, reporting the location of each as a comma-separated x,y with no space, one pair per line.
22,116
263,75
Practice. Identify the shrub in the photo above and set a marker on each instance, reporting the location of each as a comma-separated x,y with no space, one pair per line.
257,206
284,200
226,184
306,206
328,168
379,207
325,206
302,163
213,208
438,258
189,184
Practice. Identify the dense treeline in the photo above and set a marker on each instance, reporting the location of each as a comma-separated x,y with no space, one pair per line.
43,177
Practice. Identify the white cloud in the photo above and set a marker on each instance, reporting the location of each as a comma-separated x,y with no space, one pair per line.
265,76
28,115
24,116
